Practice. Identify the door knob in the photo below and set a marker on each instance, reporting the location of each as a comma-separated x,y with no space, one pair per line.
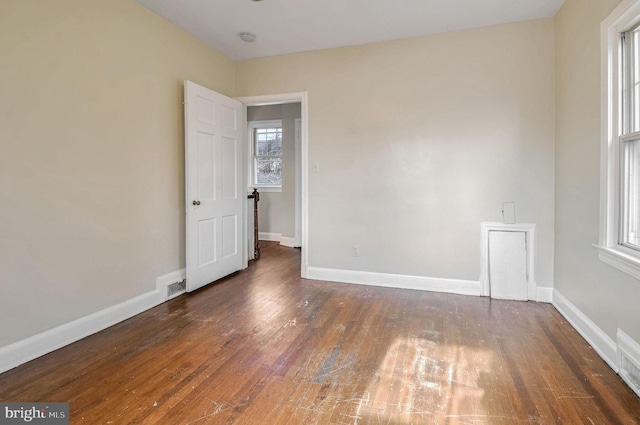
196,202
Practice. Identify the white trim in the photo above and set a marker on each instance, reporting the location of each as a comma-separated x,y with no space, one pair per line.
630,349
609,250
620,260
297,195
38,345
452,286
530,230
246,209
271,237
596,337
164,281
545,294
303,98
264,123
277,237
267,189
289,242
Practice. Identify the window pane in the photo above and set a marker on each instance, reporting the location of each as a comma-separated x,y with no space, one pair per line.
269,142
268,170
635,44
261,148
631,194
634,120
274,144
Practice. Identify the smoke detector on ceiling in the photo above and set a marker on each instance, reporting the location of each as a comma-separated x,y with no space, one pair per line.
247,37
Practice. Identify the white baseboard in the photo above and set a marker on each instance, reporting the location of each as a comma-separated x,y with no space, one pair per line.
277,237
273,237
453,286
43,343
544,294
289,242
600,341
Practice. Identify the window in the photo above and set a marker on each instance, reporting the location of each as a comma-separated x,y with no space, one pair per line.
619,243
265,138
630,139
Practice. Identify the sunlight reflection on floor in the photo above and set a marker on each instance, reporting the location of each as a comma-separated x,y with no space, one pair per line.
419,379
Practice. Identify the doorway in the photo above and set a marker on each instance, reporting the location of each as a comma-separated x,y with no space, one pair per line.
274,161
301,164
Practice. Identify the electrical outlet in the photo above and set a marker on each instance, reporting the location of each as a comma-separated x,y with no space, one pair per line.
356,250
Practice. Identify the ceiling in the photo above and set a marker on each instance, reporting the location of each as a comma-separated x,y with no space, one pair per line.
289,26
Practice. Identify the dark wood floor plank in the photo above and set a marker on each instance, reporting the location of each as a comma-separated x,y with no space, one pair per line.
263,346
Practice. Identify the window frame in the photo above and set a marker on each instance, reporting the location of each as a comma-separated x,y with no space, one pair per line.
610,248
252,126
629,124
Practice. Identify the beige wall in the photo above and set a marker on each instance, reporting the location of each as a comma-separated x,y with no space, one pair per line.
91,155
417,141
420,140
607,296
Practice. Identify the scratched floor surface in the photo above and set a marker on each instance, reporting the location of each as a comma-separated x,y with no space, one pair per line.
266,347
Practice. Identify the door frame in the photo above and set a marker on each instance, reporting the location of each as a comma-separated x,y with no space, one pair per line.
278,99
297,236
529,229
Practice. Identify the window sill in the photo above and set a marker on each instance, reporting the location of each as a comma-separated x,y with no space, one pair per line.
621,260
263,189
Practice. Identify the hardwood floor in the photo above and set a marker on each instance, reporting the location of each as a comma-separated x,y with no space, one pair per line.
266,347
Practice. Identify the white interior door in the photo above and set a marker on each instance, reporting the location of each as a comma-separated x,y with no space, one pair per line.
508,265
214,195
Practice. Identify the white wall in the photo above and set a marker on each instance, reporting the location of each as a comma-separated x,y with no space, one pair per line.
420,140
91,155
605,295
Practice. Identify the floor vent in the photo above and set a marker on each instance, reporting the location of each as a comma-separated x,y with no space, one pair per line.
629,357
176,289
630,373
